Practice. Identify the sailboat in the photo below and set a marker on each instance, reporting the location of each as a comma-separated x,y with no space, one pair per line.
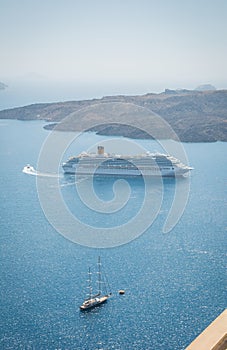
97,299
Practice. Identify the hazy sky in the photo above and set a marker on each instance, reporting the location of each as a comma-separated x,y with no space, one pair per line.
149,43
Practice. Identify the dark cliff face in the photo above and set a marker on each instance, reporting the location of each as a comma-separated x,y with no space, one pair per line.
195,116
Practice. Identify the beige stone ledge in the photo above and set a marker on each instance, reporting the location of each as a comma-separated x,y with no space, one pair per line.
214,337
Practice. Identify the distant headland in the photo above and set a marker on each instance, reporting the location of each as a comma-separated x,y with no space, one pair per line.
3,86
198,115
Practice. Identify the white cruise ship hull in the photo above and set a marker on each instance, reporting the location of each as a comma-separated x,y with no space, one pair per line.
165,172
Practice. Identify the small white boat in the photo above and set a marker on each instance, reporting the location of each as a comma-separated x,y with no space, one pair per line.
28,169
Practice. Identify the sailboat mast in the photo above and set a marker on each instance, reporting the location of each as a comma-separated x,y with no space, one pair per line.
89,283
99,275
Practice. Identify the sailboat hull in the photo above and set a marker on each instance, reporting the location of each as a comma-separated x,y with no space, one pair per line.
94,302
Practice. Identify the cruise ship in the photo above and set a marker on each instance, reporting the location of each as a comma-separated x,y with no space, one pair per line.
105,164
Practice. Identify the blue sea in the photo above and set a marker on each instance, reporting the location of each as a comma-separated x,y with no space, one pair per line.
174,282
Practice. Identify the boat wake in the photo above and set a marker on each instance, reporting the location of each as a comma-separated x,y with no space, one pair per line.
29,170
72,183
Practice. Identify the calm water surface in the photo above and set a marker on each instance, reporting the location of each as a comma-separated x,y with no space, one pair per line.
175,282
